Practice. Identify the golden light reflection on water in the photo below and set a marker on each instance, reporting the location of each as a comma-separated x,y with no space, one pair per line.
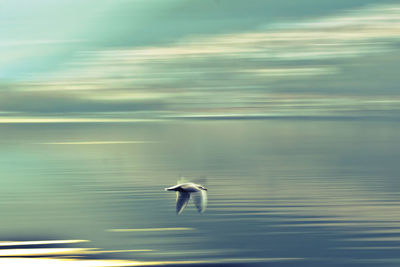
71,257
44,251
62,262
96,143
44,242
152,229
57,256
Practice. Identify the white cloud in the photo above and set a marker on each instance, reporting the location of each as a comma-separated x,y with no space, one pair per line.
208,70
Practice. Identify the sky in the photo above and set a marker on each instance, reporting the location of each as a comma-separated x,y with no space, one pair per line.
128,60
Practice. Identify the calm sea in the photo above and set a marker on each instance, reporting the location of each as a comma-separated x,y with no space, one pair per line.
282,192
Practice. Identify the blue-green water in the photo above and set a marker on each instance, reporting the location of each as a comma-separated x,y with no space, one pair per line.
281,192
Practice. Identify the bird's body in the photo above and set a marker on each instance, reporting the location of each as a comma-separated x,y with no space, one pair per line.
183,192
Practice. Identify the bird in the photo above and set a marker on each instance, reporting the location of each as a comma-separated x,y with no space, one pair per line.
183,192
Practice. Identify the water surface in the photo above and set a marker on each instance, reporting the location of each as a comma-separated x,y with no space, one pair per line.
286,192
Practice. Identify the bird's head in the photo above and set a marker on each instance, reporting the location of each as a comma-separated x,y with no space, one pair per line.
202,187
172,188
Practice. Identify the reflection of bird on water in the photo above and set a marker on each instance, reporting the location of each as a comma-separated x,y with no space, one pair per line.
183,192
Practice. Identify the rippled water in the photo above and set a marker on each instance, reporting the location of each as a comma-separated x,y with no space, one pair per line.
281,193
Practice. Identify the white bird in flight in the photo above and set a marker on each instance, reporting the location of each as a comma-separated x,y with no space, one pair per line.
183,192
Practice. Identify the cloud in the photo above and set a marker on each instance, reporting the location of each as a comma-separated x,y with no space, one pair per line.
285,68
37,42
64,102
203,59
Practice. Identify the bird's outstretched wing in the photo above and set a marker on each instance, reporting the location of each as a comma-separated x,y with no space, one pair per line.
182,199
200,200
